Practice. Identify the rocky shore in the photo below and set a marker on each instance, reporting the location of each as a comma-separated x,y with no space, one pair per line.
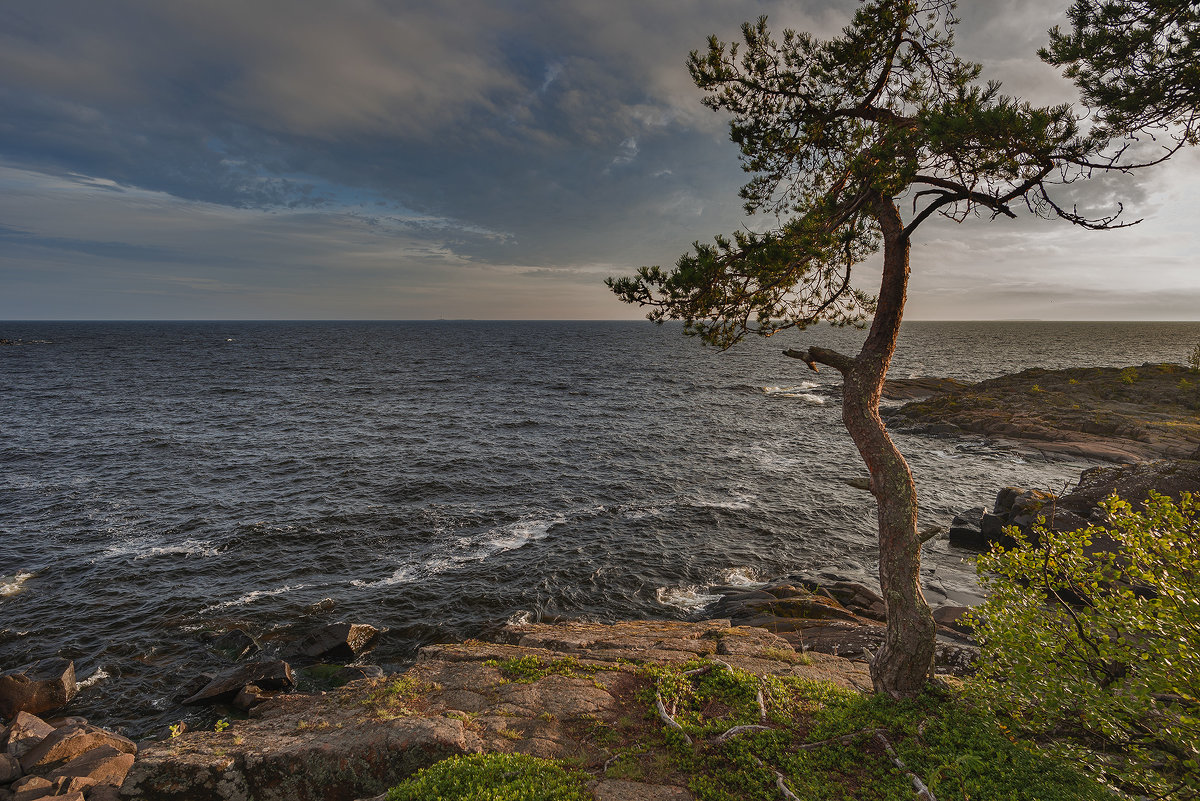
1118,415
355,741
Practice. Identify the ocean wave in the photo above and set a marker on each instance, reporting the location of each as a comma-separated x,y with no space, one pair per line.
11,585
691,597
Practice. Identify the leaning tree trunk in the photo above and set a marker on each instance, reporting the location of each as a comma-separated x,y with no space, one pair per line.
903,664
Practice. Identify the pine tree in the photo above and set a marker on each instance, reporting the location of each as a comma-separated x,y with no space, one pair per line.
853,143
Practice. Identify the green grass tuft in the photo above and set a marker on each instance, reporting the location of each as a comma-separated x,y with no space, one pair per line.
493,777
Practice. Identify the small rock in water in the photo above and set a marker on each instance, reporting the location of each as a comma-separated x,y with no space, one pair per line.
37,687
323,605
337,642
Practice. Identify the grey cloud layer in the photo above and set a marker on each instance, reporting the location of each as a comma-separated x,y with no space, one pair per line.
384,148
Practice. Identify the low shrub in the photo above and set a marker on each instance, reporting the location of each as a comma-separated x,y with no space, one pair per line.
1095,653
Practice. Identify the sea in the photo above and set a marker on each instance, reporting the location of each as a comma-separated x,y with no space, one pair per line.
441,479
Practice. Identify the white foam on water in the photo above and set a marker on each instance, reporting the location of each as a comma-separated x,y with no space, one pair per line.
11,585
251,597
785,391
739,500
402,575
690,598
522,617
139,549
523,532
464,550
186,548
98,676
798,391
741,577
642,513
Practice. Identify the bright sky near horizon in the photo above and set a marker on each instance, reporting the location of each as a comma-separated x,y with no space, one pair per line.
260,159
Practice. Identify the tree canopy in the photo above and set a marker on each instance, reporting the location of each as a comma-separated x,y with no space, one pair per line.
1136,63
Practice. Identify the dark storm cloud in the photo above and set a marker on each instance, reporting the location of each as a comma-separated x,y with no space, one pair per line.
525,137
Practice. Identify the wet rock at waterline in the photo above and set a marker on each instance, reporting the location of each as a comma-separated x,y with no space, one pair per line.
966,529
234,644
263,677
37,687
337,642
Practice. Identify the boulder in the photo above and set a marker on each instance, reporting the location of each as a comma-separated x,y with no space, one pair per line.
65,744
103,765
966,529
23,733
249,697
10,769
37,687
337,642
31,783
855,597
263,675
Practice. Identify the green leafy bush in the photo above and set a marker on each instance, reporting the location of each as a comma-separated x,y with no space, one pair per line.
492,777
1194,358
1096,653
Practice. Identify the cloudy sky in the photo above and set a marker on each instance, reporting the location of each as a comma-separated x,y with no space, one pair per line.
403,159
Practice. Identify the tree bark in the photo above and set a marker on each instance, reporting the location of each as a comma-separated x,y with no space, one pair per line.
904,662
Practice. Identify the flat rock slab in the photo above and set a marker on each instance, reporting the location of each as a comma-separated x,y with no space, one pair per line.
299,755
